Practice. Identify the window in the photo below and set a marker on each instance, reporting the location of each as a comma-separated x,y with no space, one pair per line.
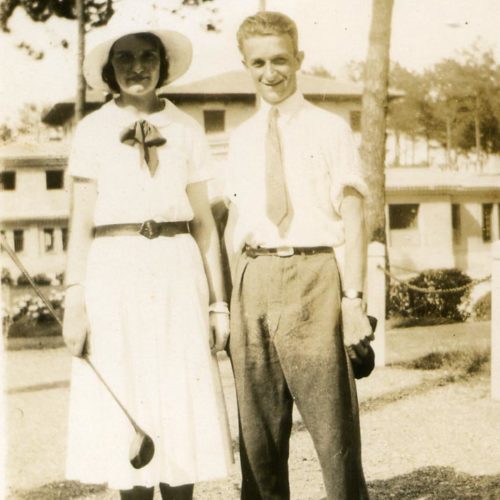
456,223
215,120
355,120
64,236
18,240
8,180
403,224
54,179
487,210
48,239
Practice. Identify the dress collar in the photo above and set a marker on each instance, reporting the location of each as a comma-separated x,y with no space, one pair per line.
286,108
129,114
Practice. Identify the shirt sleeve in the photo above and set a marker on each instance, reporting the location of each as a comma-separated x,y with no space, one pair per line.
83,160
345,168
200,166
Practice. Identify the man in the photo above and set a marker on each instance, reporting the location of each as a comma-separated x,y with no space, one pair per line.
293,183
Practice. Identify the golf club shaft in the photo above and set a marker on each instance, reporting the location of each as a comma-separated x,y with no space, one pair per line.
47,303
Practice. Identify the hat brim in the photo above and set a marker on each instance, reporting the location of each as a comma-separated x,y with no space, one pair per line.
177,46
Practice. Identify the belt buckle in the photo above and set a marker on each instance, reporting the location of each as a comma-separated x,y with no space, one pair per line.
284,251
150,229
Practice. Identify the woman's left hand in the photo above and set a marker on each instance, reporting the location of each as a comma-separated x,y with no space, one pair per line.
219,331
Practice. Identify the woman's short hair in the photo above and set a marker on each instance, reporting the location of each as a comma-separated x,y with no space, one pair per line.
267,23
108,73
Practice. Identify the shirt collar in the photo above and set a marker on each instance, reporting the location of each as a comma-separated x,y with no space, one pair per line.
286,108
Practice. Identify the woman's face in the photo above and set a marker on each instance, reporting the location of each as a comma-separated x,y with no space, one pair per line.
136,64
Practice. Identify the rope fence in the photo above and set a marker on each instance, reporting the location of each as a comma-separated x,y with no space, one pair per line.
433,290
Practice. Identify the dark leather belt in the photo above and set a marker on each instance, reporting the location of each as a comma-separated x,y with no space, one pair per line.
149,229
284,251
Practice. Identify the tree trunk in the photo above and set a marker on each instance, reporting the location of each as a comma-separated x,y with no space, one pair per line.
477,133
448,143
373,117
397,148
80,84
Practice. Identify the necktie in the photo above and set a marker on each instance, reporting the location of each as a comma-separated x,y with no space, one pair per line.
279,209
148,138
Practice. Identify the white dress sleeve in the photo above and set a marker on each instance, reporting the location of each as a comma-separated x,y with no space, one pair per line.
345,166
83,158
200,166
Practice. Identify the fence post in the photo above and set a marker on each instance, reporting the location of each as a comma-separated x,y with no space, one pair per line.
376,297
495,321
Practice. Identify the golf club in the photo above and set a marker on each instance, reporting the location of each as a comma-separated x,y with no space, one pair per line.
142,447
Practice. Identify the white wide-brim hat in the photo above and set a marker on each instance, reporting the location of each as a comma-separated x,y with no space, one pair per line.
178,48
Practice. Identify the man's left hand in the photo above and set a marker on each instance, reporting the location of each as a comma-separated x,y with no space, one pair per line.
356,327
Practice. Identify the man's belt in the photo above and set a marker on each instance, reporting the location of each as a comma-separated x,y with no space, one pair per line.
149,229
284,251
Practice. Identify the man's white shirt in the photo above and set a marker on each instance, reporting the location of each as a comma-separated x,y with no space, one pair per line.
320,159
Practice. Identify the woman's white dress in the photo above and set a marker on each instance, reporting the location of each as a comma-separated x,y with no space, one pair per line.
147,303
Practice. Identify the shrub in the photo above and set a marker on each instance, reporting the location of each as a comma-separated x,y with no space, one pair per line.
29,314
39,279
6,277
481,310
408,303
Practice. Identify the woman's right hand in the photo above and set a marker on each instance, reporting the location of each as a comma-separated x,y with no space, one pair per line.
75,323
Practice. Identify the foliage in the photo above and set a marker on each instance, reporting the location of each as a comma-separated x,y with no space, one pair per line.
97,12
6,133
39,279
31,308
413,304
447,103
466,362
30,120
6,277
481,311
319,70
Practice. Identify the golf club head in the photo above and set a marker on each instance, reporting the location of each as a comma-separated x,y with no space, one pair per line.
142,450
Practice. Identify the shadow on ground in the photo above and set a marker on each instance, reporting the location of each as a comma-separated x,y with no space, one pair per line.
428,483
436,483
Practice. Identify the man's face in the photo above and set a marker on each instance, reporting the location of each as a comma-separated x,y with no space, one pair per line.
136,63
272,63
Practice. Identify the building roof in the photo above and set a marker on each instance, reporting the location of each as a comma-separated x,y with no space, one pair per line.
240,83
26,154
430,180
232,85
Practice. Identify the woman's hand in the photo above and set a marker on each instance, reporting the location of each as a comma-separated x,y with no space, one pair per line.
75,323
219,330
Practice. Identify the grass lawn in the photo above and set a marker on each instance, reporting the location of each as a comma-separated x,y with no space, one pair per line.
405,344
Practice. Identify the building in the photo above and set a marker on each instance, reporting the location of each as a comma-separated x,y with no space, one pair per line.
442,218
435,218
34,203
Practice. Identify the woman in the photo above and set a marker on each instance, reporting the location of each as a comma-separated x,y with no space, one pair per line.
139,284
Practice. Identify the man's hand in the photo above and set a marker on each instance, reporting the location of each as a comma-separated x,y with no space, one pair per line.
356,327
219,331
75,323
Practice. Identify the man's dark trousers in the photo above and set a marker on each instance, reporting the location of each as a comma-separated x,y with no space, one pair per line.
286,345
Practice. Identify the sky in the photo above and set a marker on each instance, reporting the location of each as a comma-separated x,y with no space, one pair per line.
332,33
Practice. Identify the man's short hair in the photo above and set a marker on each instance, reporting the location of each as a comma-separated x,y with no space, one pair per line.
267,23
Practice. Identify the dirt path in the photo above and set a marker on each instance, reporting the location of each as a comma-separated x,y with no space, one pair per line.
421,439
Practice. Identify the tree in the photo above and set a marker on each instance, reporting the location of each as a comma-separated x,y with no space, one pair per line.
97,12
30,120
373,116
465,98
5,133
87,13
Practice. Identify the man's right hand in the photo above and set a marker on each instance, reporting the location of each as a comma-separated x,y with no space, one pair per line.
75,323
